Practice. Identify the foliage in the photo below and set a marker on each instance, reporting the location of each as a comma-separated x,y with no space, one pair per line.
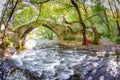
44,33
96,14
8,42
118,40
69,38
29,15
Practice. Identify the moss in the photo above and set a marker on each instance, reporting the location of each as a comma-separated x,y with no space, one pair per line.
118,40
70,38
8,42
75,31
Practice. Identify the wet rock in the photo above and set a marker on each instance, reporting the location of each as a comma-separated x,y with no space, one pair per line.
108,71
9,71
8,52
1,50
7,68
117,51
76,76
101,53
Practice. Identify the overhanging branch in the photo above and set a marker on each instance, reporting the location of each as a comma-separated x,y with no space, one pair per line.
44,1
93,16
65,21
77,21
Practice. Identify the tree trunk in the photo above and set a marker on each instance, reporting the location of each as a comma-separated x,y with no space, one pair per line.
3,12
97,36
6,26
117,17
107,24
1,19
22,39
81,21
118,27
96,33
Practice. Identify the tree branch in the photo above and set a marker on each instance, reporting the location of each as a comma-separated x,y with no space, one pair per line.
6,25
77,21
39,12
118,1
44,2
117,10
3,12
65,21
92,16
111,9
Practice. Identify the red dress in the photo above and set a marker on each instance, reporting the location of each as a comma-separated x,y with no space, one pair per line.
87,42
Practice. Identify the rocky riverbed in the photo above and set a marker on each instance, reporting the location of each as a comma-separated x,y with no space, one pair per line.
47,61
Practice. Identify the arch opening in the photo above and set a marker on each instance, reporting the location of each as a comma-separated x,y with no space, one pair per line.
38,36
41,33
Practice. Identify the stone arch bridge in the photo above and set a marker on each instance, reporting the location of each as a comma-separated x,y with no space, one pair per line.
67,35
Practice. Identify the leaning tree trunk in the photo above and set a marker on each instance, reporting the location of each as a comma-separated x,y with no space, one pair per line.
22,39
1,19
97,36
3,12
6,26
81,21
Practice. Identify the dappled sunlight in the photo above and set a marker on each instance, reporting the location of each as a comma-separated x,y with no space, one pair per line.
103,69
113,68
29,44
59,40
101,53
101,78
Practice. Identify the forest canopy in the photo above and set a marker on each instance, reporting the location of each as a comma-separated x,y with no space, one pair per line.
93,19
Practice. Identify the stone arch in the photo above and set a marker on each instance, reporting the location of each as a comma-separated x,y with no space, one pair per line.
21,32
61,31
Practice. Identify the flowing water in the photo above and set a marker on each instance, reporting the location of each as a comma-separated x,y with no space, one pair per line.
46,61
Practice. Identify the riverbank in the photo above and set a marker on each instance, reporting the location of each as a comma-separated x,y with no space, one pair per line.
105,45
8,52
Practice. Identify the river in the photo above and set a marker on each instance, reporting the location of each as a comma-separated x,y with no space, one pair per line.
47,61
